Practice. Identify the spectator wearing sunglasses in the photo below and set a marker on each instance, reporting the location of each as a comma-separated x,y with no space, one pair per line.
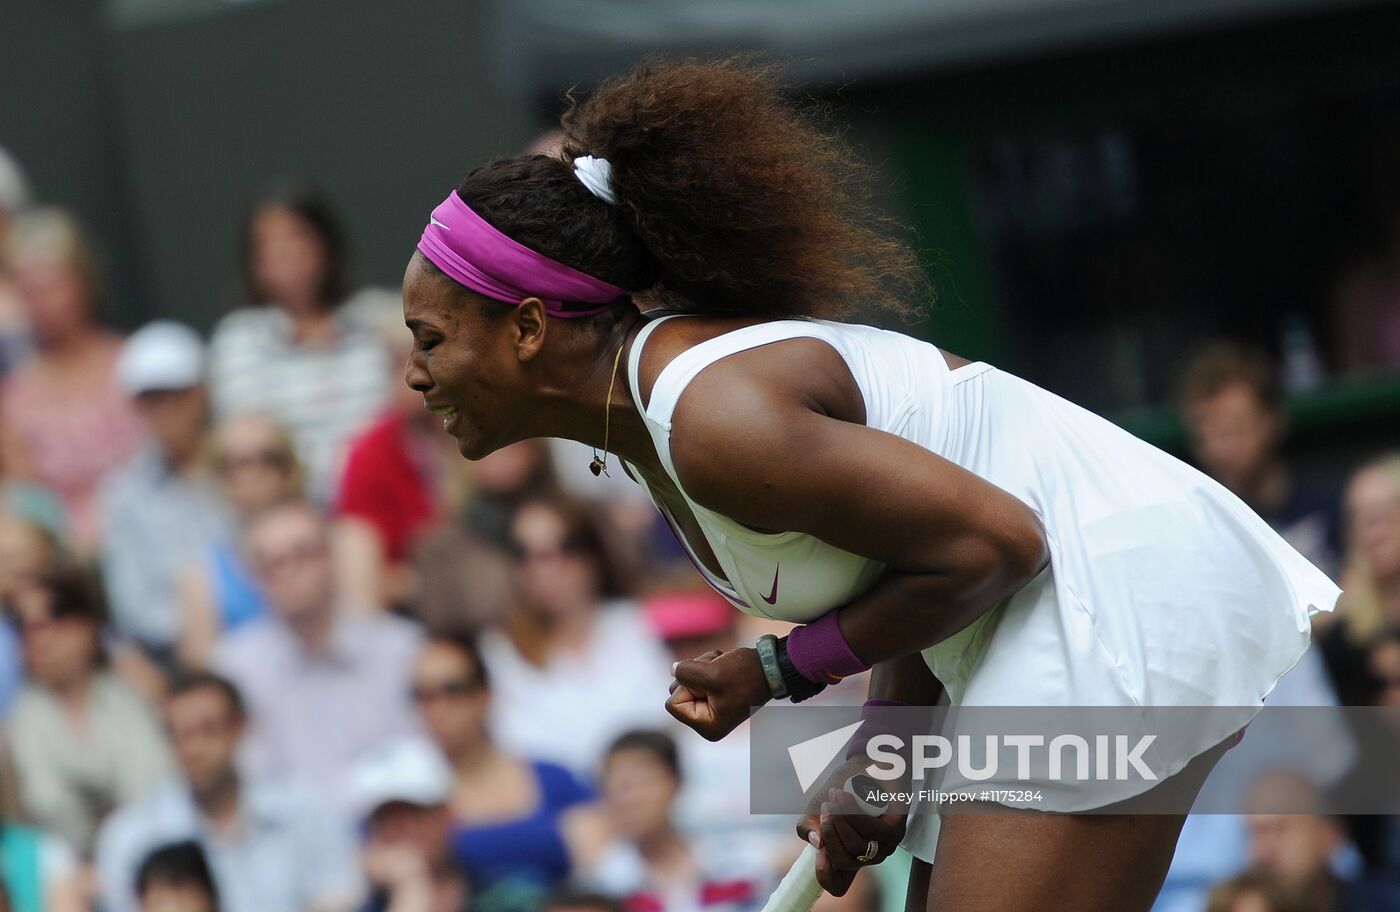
574,638
519,827
255,468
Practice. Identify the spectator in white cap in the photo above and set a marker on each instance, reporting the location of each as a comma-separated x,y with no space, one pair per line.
401,797
160,509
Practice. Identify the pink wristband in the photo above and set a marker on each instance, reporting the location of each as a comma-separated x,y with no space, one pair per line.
820,653
872,723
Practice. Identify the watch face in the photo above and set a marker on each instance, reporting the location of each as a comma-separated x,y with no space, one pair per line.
767,648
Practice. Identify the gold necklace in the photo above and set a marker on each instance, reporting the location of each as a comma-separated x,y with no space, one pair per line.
599,466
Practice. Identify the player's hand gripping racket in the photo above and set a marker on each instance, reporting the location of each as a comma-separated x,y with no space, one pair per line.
799,890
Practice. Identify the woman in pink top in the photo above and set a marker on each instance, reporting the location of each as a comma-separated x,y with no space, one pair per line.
66,424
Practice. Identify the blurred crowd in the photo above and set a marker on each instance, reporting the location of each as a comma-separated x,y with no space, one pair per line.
271,645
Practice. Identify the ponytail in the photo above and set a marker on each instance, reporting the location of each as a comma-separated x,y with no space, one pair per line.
744,201
726,195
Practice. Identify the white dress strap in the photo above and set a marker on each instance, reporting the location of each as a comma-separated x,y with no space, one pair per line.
634,360
660,432
676,376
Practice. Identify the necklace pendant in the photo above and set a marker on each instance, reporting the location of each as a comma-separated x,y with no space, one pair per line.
596,467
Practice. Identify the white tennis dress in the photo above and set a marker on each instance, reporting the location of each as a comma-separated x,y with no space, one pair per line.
1163,588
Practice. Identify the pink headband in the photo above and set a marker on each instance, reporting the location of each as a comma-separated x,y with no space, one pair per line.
473,253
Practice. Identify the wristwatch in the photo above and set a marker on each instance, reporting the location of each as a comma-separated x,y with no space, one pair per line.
784,680
767,648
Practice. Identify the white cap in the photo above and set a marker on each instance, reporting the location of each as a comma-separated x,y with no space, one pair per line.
412,771
163,355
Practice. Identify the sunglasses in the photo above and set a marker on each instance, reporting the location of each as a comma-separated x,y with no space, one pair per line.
457,688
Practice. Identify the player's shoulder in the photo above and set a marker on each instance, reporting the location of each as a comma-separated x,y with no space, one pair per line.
750,411
755,363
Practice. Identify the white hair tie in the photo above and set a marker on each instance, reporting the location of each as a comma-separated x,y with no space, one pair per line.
596,175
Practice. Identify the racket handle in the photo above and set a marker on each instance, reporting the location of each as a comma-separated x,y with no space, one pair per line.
799,889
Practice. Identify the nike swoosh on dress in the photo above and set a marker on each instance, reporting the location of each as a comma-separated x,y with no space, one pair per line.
772,596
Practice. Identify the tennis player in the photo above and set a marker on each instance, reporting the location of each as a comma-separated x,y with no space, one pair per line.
910,510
